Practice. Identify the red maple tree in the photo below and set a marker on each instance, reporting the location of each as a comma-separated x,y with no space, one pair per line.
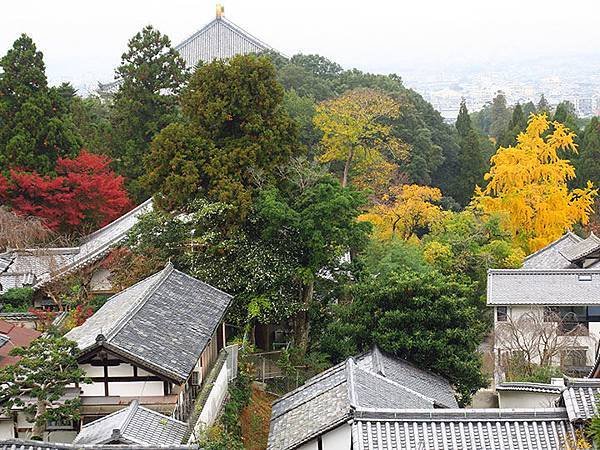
85,193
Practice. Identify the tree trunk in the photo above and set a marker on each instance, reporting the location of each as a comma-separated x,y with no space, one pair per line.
347,168
39,426
301,323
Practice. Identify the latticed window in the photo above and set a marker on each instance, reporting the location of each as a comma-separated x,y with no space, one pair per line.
502,313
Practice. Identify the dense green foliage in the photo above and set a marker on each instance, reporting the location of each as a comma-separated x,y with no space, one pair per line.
236,135
150,76
16,300
39,379
35,123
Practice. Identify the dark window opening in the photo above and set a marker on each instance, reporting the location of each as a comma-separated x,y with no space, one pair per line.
502,313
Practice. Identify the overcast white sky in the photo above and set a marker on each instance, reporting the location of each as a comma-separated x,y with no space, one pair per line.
82,40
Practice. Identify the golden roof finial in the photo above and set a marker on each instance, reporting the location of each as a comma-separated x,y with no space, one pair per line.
220,11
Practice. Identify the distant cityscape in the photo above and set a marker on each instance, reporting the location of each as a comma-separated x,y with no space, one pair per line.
576,80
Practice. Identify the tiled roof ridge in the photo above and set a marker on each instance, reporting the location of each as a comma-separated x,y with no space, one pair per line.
349,367
164,274
376,360
128,214
398,385
384,354
103,418
541,271
462,414
569,234
523,385
571,256
133,406
325,374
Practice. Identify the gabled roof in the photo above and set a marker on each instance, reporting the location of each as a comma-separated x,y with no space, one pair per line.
37,267
551,257
133,425
580,250
372,380
220,39
580,398
543,287
442,429
21,444
162,323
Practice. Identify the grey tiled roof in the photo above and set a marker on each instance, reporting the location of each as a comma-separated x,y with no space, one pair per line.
372,380
133,425
163,323
442,429
529,387
407,374
580,398
39,266
581,249
20,444
551,257
220,39
543,287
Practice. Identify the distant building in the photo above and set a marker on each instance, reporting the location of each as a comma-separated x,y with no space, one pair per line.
551,302
12,336
219,39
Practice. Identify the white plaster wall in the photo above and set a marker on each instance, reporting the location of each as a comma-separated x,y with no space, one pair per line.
143,373
122,370
136,388
310,445
100,281
214,402
92,371
519,399
7,429
338,438
92,390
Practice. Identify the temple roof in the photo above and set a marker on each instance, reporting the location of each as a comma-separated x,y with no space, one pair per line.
371,380
133,425
163,323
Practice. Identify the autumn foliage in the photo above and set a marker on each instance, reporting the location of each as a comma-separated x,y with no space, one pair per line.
528,183
84,194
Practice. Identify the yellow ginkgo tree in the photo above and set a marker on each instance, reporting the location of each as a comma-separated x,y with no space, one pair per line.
406,209
357,128
527,183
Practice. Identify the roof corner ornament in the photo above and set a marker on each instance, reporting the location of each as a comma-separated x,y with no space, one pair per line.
100,338
220,11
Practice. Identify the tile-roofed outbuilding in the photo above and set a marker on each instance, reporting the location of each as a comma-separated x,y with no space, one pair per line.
442,429
551,256
580,398
543,287
133,425
521,386
371,380
162,323
21,444
37,267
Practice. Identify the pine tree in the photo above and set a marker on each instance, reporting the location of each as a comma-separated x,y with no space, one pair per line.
587,162
152,73
500,116
543,106
35,127
471,163
517,124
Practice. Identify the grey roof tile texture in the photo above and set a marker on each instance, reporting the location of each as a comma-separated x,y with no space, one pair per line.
219,39
581,249
20,444
135,424
551,257
372,380
581,399
165,321
441,429
543,287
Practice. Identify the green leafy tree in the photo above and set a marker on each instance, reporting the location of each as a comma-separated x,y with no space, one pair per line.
587,162
517,124
91,117
471,163
151,75
543,106
38,381
236,135
500,116
35,126
318,223
428,318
